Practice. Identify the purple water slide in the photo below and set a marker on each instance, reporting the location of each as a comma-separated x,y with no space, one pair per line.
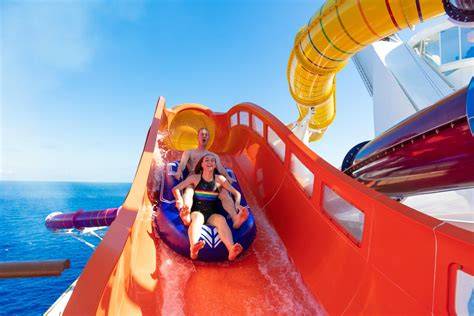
81,219
430,151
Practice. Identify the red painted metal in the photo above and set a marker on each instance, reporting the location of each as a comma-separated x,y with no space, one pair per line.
401,265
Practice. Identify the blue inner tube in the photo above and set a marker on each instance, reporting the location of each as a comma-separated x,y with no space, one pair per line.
172,231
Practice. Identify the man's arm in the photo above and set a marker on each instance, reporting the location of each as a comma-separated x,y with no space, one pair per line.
222,170
182,164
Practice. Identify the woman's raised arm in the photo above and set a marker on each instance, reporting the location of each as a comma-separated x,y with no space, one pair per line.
226,185
180,186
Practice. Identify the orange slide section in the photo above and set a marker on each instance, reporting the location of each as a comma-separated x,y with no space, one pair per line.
325,243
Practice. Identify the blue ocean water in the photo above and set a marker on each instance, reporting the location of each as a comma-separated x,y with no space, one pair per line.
23,236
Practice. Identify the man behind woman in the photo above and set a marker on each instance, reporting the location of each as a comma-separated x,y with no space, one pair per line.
202,190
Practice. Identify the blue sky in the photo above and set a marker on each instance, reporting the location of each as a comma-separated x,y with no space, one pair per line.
79,81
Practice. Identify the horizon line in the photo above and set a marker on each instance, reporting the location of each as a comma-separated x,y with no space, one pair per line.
65,181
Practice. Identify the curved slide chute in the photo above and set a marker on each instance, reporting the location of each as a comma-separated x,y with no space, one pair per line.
357,251
340,29
430,151
81,219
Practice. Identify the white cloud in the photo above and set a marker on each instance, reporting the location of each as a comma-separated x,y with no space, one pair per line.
44,44
41,42
41,39
6,174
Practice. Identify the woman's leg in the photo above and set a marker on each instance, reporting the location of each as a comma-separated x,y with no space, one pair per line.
184,213
225,234
229,206
194,232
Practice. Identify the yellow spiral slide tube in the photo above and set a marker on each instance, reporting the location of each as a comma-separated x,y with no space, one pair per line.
337,31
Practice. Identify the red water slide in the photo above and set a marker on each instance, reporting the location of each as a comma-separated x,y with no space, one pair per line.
324,240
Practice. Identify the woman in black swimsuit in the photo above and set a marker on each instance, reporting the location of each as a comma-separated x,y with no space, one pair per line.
207,185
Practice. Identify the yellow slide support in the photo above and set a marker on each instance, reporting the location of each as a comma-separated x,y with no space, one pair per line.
340,29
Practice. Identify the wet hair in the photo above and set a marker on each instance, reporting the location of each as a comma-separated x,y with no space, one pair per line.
198,168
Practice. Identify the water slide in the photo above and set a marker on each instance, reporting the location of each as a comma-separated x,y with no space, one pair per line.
339,30
81,219
430,151
325,242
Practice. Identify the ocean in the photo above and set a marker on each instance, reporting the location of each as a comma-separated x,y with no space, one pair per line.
23,209
25,205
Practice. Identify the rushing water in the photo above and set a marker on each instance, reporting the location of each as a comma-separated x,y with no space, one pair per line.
287,294
24,206
284,292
